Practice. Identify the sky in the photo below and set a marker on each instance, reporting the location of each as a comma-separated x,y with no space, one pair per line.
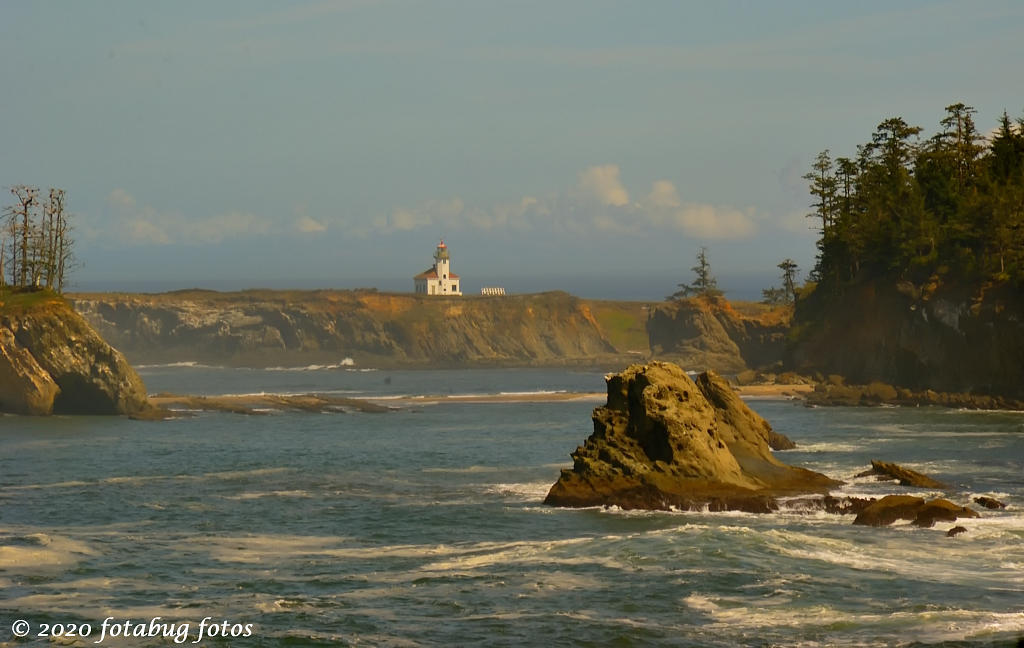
582,145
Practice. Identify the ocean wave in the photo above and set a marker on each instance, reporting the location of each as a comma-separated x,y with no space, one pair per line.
341,364
302,494
534,392
826,447
466,470
145,479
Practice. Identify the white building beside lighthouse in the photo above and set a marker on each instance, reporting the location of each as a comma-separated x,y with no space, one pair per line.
438,279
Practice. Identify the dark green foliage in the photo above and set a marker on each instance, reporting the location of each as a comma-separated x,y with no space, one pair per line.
911,209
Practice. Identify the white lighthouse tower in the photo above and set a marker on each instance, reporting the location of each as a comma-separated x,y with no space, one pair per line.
438,279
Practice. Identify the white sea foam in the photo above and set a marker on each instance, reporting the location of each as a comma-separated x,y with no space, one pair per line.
41,550
530,491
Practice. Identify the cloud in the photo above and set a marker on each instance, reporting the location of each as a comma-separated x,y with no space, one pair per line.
598,203
308,225
602,183
144,224
711,222
663,194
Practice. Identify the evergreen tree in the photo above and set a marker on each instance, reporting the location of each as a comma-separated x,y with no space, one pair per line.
953,204
789,268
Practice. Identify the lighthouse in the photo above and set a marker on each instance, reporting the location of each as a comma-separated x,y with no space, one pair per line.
438,279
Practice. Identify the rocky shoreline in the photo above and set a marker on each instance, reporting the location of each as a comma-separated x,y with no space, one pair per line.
834,391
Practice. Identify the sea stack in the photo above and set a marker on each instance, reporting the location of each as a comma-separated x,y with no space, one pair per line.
666,441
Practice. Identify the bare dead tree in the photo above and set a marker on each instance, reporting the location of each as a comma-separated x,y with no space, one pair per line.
54,237
36,246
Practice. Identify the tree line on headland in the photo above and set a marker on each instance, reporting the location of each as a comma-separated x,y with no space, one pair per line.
948,207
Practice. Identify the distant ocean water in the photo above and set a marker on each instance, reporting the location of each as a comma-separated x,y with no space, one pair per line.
424,526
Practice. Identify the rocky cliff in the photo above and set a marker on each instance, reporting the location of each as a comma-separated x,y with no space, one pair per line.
266,328
711,334
930,337
51,361
663,440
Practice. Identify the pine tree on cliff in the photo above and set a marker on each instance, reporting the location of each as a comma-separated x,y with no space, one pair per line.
705,284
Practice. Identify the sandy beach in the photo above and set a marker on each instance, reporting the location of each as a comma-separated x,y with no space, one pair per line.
774,391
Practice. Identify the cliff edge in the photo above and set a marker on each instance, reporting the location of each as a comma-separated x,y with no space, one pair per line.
53,362
663,440
263,328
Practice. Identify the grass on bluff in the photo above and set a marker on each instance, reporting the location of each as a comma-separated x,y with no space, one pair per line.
623,323
14,301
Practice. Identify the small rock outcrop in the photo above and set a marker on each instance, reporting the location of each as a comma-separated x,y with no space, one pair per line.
905,476
663,440
915,509
52,362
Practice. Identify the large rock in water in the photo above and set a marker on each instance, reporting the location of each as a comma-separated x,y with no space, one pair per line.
51,361
664,440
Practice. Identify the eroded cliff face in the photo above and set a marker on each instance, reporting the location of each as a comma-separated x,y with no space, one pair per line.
704,334
946,339
51,361
261,328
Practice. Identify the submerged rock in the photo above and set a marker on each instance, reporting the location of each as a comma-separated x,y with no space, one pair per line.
663,440
905,476
51,361
955,531
989,502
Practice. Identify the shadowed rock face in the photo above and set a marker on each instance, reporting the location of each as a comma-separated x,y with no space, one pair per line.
947,338
51,361
664,440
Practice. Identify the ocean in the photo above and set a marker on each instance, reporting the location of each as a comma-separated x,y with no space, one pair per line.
424,526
